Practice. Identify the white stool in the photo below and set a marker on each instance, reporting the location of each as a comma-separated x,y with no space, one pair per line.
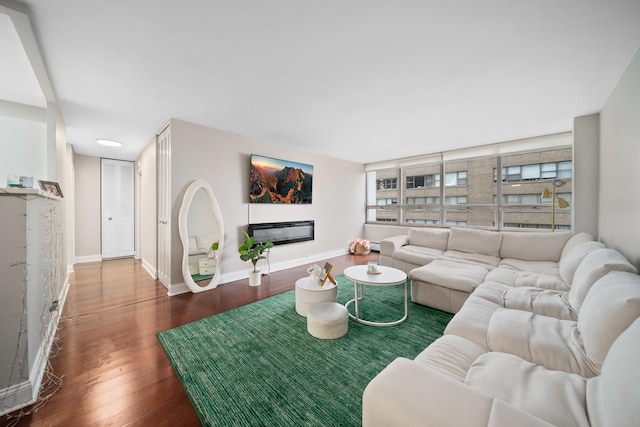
327,320
309,293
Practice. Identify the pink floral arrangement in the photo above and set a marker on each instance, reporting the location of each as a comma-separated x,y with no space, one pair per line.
360,246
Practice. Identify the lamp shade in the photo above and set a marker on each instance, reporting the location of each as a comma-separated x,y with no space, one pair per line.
562,203
545,194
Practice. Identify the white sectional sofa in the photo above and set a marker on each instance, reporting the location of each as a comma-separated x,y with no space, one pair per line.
447,265
548,337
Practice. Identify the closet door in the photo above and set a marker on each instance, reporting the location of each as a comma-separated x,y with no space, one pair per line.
163,156
117,196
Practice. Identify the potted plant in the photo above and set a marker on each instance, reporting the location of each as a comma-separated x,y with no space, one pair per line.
252,251
213,250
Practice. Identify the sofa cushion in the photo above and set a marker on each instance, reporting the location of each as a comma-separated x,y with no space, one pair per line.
540,267
570,262
489,261
450,274
610,307
553,343
612,397
418,255
533,246
574,241
594,266
535,300
472,320
475,241
556,397
526,278
451,355
435,238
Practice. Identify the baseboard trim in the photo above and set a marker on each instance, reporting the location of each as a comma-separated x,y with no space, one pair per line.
87,258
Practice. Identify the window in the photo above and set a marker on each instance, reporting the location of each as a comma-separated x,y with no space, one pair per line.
388,184
455,200
423,200
468,191
388,201
536,171
424,181
455,178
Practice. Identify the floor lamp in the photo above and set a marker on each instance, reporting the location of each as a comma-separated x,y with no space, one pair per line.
562,203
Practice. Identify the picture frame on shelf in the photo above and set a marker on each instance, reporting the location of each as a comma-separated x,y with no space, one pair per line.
51,187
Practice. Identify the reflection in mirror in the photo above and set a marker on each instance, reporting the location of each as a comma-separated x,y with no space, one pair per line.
201,232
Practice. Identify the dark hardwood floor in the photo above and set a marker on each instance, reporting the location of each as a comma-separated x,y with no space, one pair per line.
114,372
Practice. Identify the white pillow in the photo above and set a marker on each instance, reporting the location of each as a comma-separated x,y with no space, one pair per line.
575,241
612,397
434,238
610,307
570,262
533,246
594,266
473,240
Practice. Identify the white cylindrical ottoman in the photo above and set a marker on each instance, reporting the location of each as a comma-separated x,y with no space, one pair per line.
327,320
309,293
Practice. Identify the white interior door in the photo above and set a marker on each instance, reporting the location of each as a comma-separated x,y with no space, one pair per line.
163,156
118,219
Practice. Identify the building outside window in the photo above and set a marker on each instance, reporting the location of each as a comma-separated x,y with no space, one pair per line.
498,192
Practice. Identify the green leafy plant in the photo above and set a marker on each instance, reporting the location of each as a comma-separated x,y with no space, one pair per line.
214,246
252,251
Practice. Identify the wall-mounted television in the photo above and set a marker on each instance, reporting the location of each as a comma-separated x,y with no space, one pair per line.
280,181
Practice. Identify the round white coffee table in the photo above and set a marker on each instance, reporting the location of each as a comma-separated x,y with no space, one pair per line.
387,276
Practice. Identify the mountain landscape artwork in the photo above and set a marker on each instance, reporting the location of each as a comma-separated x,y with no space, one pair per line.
280,181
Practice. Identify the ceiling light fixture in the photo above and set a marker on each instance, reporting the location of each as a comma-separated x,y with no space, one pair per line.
108,143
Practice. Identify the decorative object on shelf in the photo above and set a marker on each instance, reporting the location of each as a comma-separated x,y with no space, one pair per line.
51,187
562,203
251,251
360,247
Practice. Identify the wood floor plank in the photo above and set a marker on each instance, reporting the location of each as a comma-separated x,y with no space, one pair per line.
115,371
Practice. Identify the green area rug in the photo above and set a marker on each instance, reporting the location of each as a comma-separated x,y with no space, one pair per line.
257,365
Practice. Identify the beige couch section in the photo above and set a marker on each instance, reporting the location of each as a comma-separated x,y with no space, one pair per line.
562,353
446,265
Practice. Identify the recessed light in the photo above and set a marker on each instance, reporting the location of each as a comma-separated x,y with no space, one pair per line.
108,142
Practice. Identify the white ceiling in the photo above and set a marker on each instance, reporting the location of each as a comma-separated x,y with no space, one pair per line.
363,80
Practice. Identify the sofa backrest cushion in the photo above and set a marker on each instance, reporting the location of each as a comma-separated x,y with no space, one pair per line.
612,396
474,240
592,267
434,238
533,246
610,307
574,241
570,262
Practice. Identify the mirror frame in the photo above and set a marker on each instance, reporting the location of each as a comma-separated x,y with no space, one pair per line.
183,216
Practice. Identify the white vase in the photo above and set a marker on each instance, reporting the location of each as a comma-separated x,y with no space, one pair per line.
255,278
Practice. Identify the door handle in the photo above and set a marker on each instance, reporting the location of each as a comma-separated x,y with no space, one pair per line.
109,218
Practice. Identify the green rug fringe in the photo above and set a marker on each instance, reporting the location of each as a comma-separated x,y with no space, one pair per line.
257,365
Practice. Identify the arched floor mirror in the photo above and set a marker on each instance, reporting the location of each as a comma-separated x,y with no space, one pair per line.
200,226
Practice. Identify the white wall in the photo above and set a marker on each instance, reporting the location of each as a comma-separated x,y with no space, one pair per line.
586,174
619,204
222,159
87,208
146,165
23,149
